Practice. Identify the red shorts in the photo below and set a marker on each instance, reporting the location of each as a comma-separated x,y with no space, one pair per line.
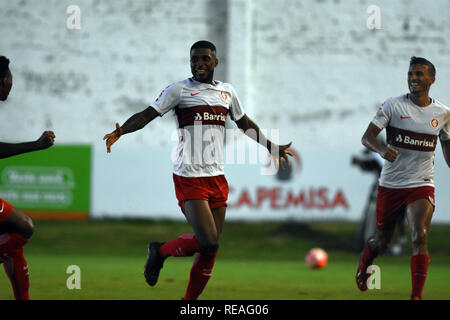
391,202
213,189
5,210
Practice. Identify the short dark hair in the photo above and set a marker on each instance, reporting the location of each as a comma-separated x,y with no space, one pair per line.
423,61
4,66
203,44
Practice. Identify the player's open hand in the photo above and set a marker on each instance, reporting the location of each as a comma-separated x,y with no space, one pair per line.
112,137
46,140
283,152
390,154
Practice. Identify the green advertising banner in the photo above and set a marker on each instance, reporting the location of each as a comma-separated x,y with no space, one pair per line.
51,183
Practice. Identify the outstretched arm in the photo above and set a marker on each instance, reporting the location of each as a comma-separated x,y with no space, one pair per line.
134,123
45,141
252,130
369,140
446,150
446,143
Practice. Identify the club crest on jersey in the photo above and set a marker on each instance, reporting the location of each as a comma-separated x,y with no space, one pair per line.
434,123
224,95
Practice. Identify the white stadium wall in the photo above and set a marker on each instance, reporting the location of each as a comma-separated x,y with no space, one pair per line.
312,69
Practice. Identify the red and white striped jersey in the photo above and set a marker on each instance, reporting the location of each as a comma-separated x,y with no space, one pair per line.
200,110
413,131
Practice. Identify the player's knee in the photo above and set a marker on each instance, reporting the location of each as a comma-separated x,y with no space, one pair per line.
418,238
210,245
27,227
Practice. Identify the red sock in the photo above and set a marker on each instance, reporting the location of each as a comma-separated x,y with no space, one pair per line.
419,269
183,246
17,270
367,257
11,241
200,274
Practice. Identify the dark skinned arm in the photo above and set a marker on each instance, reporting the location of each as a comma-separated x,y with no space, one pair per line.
369,140
135,122
245,124
45,141
446,143
446,150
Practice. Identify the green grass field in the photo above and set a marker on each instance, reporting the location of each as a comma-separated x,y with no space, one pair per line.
256,261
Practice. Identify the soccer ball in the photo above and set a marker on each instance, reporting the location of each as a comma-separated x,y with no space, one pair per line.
316,258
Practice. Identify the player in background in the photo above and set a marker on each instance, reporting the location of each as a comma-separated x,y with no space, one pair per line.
200,184
16,228
413,123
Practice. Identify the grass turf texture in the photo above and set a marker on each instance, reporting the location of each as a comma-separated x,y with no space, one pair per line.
256,261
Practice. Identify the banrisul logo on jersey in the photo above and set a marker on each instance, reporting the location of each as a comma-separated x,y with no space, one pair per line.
214,117
52,183
411,140
208,115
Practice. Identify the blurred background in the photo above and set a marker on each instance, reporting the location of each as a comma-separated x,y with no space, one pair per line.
313,71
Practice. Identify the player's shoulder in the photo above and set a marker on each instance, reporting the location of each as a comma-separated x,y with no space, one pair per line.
392,102
399,103
174,85
175,88
224,86
440,105
172,92
183,83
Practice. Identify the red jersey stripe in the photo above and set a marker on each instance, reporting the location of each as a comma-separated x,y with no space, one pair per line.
211,115
411,140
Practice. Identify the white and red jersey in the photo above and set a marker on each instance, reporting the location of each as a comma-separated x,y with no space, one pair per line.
413,131
200,110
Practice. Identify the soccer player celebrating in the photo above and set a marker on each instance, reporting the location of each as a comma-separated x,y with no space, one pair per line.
201,106
16,228
413,123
